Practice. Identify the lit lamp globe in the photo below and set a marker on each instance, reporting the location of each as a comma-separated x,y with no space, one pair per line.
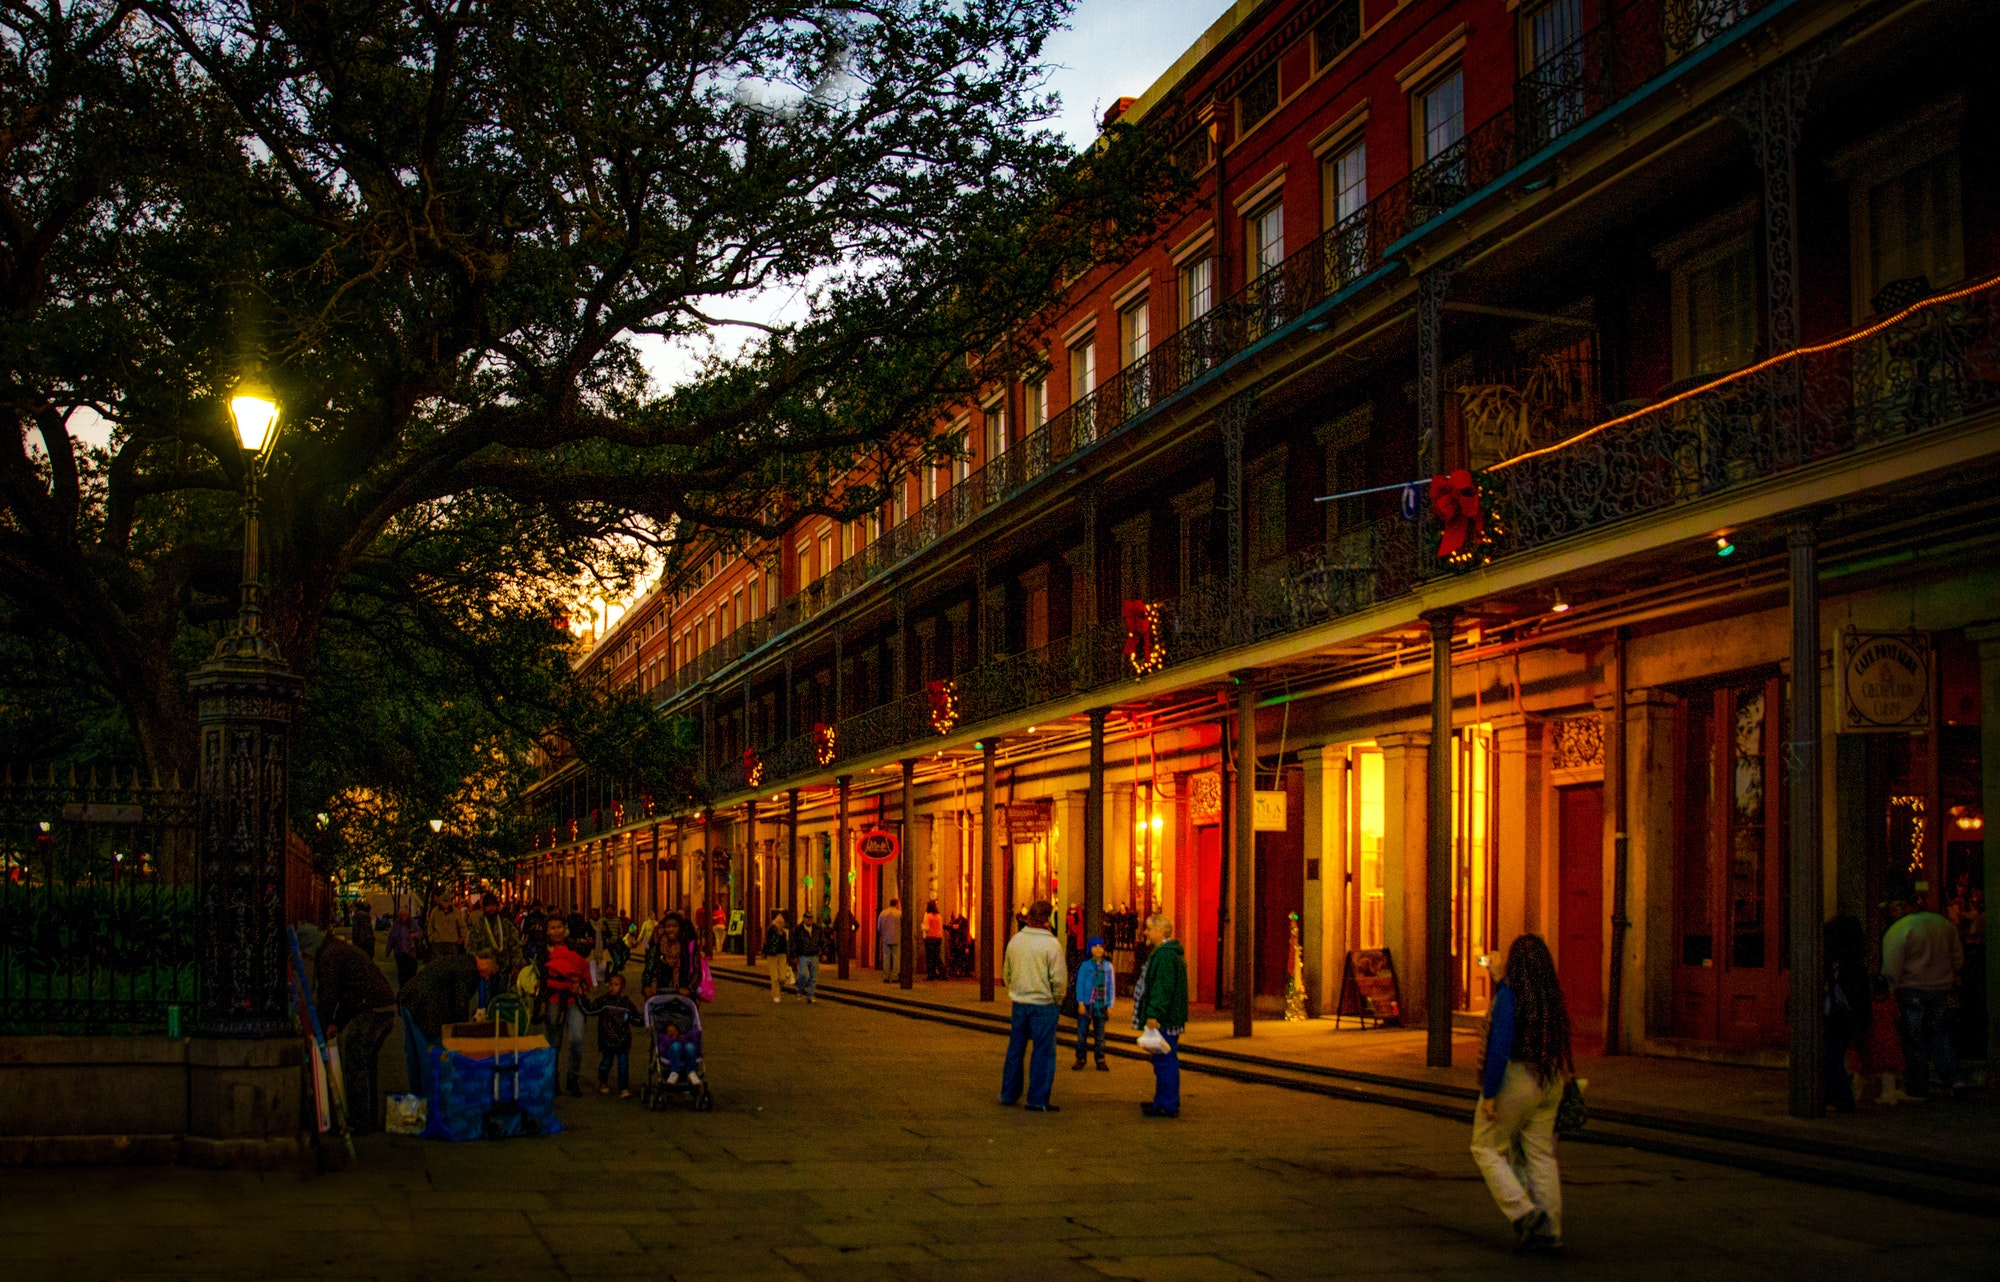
256,416
437,825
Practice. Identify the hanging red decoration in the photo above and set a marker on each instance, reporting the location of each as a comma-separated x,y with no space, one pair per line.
826,742
1142,637
944,705
753,768
1455,503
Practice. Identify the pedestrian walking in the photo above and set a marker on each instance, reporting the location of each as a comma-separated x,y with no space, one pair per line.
1921,957
357,1008
534,936
777,946
361,927
445,927
1036,975
615,1016
1845,1006
489,931
889,939
565,978
1160,1005
404,941
673,960
1523,1070
933,941
1096,989
442,992
805,955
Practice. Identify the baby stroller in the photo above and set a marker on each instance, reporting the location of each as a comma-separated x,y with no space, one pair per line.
662,1009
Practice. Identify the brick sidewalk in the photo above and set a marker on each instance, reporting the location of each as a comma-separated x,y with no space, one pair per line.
1961,1131
850,1144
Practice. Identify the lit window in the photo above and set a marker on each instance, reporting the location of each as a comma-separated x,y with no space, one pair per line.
1197,288
1132,331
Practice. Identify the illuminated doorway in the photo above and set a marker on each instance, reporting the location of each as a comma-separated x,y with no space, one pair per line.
1364,845
1474,907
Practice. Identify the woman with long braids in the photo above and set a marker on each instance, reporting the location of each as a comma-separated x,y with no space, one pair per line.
1522,1073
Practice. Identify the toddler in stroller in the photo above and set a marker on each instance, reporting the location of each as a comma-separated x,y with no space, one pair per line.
676,1068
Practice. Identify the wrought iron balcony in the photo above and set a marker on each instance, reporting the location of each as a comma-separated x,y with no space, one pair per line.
1567,89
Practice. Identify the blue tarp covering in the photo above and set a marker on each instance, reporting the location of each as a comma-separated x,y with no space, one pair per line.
462,1095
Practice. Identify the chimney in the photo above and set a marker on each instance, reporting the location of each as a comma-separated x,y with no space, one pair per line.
1116,110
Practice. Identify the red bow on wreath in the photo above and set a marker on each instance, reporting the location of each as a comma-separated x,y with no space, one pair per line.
1138,630
1455,502
753,767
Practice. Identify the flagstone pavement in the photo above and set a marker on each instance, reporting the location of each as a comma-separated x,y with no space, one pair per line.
852,1144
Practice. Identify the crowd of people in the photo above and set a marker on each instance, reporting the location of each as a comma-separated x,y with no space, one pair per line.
565,970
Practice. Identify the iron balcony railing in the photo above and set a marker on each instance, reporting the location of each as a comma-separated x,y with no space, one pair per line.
1931,366
1566,89
98,883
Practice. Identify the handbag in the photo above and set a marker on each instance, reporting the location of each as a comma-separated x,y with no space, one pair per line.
1572,1114
705,991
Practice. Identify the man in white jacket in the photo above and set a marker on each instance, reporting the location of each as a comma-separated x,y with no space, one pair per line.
1036,974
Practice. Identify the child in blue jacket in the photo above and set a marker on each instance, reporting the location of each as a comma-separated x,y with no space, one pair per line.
1095,990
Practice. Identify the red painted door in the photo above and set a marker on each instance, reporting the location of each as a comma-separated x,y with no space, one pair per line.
1580,905
1200,932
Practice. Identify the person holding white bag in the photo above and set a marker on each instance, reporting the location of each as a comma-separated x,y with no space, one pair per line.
1160,1007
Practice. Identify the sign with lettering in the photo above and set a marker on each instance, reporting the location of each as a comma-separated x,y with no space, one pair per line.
1267,812
1028,821
876,846
1885,682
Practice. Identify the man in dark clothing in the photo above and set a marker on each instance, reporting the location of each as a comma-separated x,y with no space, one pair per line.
805,955
362,927
532,938
356,1009
442,993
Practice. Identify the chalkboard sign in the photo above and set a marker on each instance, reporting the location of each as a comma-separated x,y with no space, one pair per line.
1369,988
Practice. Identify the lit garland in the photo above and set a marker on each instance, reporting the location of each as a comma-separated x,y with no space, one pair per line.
1142,638
826,742
753,768
944,705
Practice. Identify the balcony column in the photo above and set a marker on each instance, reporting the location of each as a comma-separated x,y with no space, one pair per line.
749,730
843,902
1235,421
1093,831
906,874
1432,288
988,919
1987,637
1437,865
790,726
899,658
792,858
1802,794
839,709
1085,591
753,917
983,618
1243,981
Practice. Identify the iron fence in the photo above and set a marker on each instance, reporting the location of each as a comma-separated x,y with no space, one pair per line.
98,883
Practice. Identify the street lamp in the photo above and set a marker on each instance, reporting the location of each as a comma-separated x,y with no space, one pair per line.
255,413
437,825
244,697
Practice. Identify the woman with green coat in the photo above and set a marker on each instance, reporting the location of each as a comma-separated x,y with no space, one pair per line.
1160,1003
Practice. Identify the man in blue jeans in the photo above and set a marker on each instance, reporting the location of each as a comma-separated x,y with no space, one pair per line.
1036,975
1921,957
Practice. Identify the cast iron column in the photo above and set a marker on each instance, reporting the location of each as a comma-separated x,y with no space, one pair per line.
244,697
1437,867
1808,1089
986,898
792,865
843,910
1093,832
753,888
907,872
1243,982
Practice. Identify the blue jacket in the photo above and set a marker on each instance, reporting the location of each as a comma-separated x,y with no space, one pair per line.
1499,1042
1096,984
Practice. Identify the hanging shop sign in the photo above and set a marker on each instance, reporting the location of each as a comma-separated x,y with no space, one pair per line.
1885,682
1205,797
1267,812
1028,821
877,846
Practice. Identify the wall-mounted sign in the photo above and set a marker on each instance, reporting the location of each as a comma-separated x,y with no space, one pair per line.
1028,821
1885,682
1267,813
876,846
1205,797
